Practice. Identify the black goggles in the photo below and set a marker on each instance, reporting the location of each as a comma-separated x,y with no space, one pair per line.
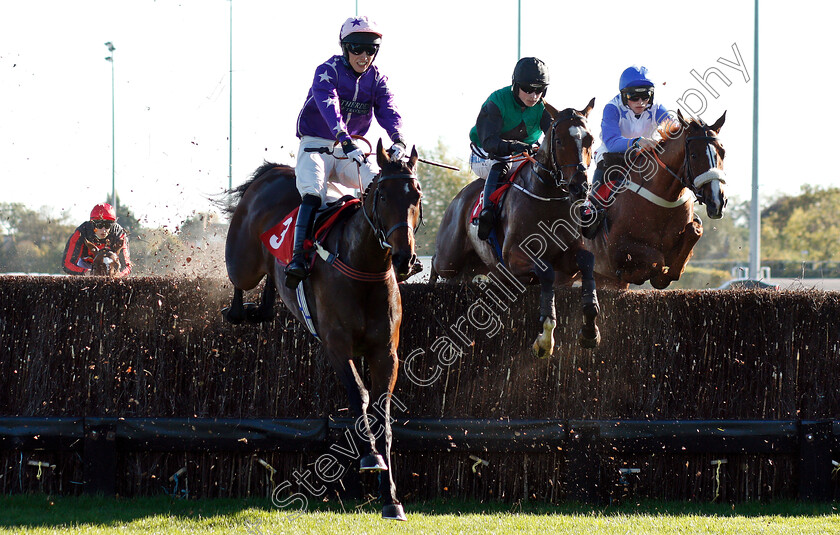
531,89
102,223
635,97
358,48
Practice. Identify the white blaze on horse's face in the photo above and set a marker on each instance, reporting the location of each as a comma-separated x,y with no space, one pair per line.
714,177
577,133
107,261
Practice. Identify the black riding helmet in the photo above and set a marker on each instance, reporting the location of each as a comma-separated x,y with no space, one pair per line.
530,73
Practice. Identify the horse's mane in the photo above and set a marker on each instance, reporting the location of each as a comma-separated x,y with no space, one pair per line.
230,198
671,128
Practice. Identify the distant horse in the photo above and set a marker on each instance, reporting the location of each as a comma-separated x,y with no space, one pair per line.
352,297
650,228
535,235
106,262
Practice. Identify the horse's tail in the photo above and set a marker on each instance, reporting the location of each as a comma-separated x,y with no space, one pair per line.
228,200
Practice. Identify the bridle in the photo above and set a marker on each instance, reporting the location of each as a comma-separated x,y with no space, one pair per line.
375,220
555,171
687,178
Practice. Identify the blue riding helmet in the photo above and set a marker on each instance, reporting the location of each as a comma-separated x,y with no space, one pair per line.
635,80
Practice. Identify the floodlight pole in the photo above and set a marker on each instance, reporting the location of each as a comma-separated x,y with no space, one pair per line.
519,30
755,211
230,104
110,59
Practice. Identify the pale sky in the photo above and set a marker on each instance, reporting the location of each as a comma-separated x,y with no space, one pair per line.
442,58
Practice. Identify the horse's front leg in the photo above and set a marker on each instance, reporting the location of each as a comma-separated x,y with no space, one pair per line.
235,313
544,344
682,252
358,398
589,335
383,374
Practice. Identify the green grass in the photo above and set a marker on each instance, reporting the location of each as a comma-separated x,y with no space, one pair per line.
86,515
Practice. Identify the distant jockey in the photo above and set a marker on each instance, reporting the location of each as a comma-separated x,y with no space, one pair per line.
101,230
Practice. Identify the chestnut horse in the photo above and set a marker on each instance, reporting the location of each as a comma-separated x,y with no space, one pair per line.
535,232
650,228
106,262
353,317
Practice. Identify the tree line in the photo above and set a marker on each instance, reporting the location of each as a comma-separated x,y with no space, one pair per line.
794,228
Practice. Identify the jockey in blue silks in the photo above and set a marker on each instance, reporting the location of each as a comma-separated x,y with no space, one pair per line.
628,123
346,94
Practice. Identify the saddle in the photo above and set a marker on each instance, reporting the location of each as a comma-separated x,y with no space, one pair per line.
614,167
496,197
279,240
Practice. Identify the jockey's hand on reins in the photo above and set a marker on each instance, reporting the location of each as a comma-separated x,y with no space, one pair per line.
397,151
643,143
353,152
515,147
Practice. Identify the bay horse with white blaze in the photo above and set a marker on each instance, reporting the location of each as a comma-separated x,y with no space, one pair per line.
650,228
353,300
535,237
106,262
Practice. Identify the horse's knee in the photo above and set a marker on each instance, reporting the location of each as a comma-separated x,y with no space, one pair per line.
693,231
660,282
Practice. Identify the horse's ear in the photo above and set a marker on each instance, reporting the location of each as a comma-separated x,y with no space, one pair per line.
90,245
412,160
585,111
552,111
682,119
719,123
381,156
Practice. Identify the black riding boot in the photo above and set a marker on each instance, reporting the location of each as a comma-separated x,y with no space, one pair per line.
592,210
298,268
487,217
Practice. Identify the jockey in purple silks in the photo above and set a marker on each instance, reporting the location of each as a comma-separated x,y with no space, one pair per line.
346,94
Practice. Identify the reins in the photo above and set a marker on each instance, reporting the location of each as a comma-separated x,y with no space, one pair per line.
373,219
555,172
689,182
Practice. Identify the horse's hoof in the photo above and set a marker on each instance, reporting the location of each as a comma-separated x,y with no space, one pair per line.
372,463
588,342
229,318
540,352
253,314
393,511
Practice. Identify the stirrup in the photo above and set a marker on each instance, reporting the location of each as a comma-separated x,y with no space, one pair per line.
589,229
295,272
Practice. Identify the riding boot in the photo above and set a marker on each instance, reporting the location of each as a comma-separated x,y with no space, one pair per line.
298,268
592,210
487,217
